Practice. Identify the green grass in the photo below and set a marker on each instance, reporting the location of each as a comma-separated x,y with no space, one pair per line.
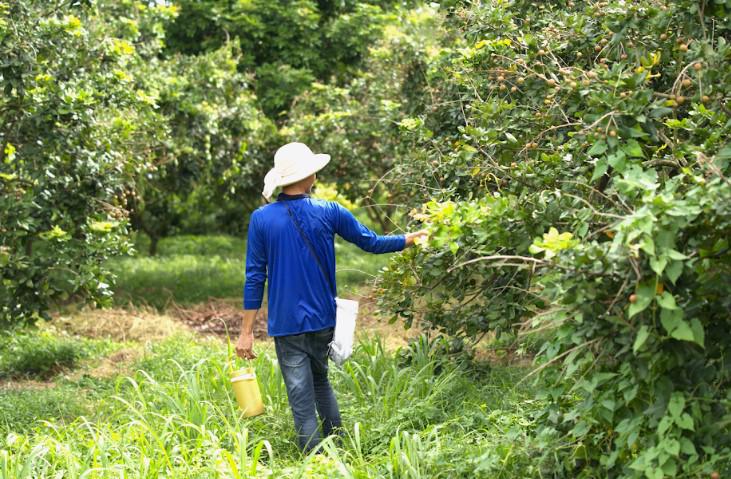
414,415
192,269
21,409
39,354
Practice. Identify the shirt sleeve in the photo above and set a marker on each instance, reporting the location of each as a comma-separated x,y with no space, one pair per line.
256,265
355,232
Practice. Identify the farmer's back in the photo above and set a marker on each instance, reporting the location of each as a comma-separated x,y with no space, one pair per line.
301,298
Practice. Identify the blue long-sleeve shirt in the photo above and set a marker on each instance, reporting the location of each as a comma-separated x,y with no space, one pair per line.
301,299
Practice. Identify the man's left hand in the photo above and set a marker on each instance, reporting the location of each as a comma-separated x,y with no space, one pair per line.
413,238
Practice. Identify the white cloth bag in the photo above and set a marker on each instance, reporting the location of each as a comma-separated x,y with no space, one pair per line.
341,346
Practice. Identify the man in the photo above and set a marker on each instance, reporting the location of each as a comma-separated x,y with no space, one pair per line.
291,242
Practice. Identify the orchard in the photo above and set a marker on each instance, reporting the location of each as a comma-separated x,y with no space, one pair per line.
571,162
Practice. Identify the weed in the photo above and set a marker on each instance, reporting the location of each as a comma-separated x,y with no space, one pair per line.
175,416
38,354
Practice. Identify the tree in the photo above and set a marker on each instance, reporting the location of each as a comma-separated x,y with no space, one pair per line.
73,131
571,164
360,124
286,44
214,148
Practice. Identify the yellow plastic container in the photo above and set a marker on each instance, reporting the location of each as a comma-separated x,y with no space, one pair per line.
246,390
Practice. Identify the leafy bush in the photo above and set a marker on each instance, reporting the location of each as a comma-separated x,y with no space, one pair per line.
38,354
207,167
67,116
575,160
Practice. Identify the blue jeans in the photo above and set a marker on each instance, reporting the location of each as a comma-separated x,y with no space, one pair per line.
303,361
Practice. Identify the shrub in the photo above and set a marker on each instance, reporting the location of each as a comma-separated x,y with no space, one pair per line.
576,163
38,354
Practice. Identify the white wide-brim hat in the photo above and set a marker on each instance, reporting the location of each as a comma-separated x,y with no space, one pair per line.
292,162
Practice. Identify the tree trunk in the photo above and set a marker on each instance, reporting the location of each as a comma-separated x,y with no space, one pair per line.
376,217
153,245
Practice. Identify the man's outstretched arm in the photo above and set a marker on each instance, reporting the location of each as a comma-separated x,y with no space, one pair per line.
350,229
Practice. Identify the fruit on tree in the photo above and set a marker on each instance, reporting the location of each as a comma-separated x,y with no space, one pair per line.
633,298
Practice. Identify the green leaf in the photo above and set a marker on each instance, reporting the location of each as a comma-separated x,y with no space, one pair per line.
600,168
670,467
672,254
633,149
658,264
535,249
666,301
699,335
645,293
648,245
642,336
687,447
674,270
676,404
654,473
724,153
616,160
685,422
670,319
511,138
597,149
637,178
683,332
671,446
664,425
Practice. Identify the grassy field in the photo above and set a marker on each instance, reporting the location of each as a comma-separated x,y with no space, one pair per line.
192,269
132,393
409,413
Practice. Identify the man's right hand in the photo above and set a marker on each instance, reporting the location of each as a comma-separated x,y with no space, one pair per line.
245,346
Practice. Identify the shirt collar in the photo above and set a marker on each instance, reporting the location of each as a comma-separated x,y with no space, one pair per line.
286,197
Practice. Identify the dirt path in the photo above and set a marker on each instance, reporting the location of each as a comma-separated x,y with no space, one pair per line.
221,316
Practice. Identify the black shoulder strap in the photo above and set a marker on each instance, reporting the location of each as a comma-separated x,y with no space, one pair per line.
309,246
